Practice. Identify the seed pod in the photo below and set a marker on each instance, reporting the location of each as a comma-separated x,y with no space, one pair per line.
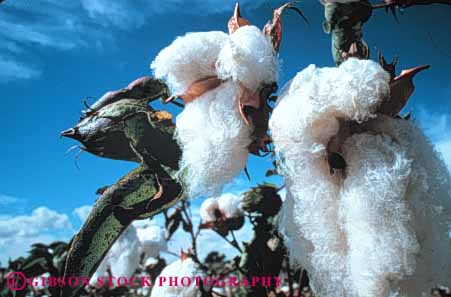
262,199
128,129
142,88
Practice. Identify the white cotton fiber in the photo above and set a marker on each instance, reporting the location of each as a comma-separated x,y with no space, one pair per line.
208,209
381,227
248,57
212,134
189,58
152,240
229,205
428,200
214,139
179,269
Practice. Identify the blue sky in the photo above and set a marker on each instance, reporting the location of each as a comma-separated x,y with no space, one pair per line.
54,54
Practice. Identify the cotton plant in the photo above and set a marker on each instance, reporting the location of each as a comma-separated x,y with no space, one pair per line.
221,77
368,203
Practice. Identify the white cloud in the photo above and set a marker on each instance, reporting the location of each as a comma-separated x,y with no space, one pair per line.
17,233
437,127
82,212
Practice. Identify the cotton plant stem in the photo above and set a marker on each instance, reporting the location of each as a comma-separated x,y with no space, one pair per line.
232,242
290,277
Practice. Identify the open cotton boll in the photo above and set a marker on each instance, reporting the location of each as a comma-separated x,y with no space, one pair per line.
305,118
229,205
214,139
123,257
417,248
249,58
189,58
181,269
383,225
152,240
208,209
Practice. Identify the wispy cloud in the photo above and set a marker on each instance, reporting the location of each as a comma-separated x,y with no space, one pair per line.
6,199
26,26
13,69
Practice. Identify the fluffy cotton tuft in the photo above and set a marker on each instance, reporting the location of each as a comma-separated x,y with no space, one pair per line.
179,269
151,239
214,140
189,58
208,209
248,57
228,204
381,228
212,134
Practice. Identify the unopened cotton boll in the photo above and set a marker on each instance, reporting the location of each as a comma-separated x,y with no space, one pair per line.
152,240
381,228
210,130
179,269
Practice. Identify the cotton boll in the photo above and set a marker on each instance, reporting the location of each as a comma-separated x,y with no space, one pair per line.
208,209
189,58
304,120
214,139
383,224
178,269
248,57
229,205
151,239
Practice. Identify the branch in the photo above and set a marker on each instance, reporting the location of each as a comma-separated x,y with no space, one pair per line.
408,3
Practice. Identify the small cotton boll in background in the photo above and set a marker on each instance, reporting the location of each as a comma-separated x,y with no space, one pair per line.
229,205
248,57
208,210
189,58
178,269
214,139
151,239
